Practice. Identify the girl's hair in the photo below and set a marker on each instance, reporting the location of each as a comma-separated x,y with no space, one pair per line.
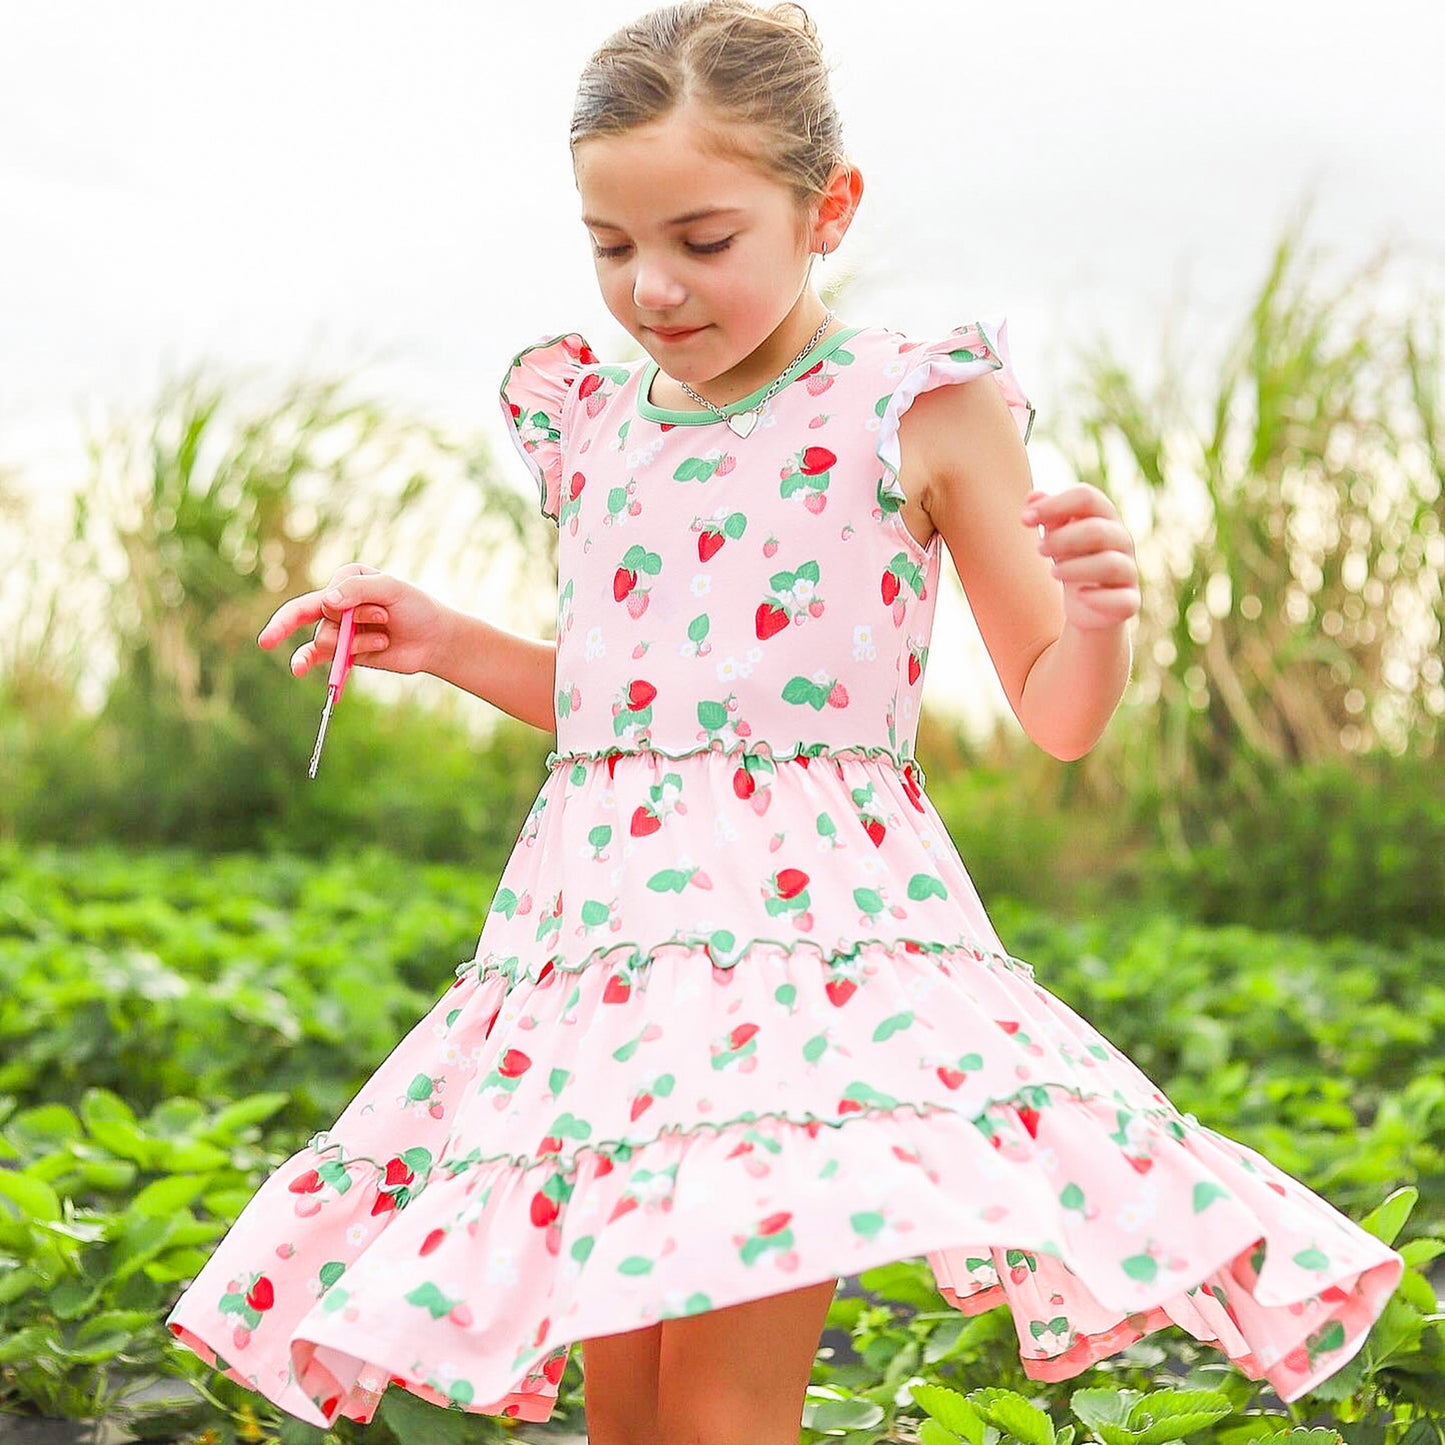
757,71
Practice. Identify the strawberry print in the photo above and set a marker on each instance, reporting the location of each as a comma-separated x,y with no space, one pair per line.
737,1017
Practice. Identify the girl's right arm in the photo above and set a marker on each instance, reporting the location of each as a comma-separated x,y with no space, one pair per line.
516,674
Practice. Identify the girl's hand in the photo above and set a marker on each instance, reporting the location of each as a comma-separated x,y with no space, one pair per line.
1093,554
399,628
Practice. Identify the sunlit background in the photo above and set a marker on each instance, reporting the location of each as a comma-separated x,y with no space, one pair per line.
289,188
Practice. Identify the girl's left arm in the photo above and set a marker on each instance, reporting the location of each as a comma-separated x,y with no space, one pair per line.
1057,631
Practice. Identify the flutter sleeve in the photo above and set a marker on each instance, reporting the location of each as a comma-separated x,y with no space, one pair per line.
535,396
977,349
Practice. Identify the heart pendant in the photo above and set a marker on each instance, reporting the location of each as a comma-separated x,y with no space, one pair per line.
743,422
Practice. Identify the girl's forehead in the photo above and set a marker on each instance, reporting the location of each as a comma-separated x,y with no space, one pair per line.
640,177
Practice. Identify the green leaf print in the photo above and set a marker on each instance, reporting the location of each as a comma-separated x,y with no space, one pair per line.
1140,1267
712,715
695,469
1312,1259
595,912
669,880
601,835
1205,1193
867,1223
569,1126
428,1296
330,1272
626,1051
635,1264
786,994
815,1048
925,885
868,900
827,828
736,524
417,1159
583,1247
616,500
557,1080
504,902
891,1026
697,628
802,689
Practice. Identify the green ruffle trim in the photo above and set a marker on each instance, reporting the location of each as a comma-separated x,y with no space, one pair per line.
743,748
723,951
621,1151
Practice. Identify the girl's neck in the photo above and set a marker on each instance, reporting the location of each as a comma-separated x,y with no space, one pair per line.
730,386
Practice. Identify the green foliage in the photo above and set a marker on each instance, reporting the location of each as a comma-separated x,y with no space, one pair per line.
140,996
1325,848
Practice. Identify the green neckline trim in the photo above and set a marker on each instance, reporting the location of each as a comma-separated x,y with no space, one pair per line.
826,347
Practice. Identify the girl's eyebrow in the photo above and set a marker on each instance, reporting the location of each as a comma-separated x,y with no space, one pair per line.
676,220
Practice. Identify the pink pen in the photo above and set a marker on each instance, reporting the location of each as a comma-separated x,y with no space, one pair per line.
336,682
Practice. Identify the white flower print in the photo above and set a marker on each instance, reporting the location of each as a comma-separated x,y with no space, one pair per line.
727,669
892,370
872,423
445,1372
864,648
822,676
701,584
722,830
754,653
501,1269
596,645
919,988
803,588
356,1234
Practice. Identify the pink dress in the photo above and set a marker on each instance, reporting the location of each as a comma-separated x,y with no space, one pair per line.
737,1021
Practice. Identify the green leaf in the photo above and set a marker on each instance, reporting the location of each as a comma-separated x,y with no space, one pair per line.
415,1421
853,1414
950,1408
36,1200
231,1120
165,1196
143,1238
1025,1422
1388,1217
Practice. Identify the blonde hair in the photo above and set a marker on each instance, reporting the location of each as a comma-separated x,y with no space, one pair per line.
758,72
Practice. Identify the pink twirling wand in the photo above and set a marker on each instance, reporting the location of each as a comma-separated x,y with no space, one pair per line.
336,682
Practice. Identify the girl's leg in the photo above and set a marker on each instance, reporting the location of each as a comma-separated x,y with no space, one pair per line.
619,1386
738,1375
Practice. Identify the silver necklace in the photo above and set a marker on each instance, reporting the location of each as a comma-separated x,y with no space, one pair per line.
742,422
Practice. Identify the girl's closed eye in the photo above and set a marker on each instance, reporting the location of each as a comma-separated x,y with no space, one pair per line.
711,249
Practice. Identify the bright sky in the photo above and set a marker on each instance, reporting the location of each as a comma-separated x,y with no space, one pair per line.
264,185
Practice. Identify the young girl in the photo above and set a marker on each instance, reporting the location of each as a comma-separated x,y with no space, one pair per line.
737,1022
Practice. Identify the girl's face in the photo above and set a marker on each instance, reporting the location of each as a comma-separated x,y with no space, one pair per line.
733,277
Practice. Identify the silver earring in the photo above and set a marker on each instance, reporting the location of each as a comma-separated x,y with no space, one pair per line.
825,250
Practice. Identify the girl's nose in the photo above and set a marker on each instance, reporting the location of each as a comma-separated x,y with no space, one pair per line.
654,291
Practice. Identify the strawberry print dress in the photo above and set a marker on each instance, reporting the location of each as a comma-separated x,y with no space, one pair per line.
737,1021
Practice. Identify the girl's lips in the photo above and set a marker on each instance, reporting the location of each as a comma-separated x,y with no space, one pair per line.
676,335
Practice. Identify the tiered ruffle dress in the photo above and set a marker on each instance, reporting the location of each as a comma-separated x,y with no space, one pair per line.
737,1021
